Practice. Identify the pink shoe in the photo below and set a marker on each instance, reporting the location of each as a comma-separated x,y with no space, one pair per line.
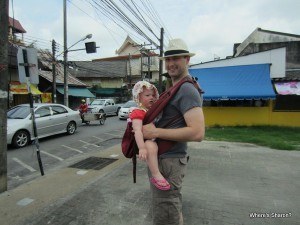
161,184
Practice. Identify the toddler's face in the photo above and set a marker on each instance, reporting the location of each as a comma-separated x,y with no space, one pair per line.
147,97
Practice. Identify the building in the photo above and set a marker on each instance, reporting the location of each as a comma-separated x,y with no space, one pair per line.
43,89
77,89
104,78
243,89
115,76
142,64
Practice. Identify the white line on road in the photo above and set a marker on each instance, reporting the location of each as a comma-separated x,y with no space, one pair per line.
115,135
25,201
54,156
73,149
101,139
24,165
88,144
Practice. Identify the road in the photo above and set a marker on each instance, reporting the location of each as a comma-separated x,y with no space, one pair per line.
62,150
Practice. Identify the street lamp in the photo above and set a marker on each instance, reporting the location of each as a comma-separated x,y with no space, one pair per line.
66,98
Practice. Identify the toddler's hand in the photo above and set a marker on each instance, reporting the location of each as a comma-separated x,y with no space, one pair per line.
143,154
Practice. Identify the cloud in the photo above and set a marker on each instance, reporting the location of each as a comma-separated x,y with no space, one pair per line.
210,28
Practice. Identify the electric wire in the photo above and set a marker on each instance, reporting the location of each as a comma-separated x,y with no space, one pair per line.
116,10
102,23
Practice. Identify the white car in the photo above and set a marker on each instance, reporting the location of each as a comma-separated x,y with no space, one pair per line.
50,119
124,110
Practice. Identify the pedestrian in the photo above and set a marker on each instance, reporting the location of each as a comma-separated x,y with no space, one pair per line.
145,94
187,102
83,109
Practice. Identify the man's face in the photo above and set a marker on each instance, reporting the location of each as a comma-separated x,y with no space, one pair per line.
177,65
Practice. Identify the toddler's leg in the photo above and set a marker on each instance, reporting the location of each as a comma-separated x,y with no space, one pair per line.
157,178
152,159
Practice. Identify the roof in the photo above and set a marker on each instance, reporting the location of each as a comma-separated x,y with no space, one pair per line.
235,82
99,68
128,41
16,25
45,59
123,57
264,36
77,92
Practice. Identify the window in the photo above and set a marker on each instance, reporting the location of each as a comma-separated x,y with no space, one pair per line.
58,110
19,112
42,112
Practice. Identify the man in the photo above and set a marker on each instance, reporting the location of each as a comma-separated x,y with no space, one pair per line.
167,205
83,109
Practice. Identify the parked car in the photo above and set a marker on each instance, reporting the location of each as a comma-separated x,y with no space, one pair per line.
50,119
106,106
124,110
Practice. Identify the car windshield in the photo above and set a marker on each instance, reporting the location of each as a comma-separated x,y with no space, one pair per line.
19,112
129,104
98,102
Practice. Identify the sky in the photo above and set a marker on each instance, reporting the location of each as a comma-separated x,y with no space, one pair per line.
209,27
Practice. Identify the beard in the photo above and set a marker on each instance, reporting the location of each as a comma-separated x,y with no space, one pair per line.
176,72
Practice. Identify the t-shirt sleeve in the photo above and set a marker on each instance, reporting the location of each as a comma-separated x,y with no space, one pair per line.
188,98
137,114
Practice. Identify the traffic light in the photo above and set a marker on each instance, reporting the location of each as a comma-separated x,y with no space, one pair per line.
90,47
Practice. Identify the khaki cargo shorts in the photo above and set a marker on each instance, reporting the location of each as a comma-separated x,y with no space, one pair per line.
167,205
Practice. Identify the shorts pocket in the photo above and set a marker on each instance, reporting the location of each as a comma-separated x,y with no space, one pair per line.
184,161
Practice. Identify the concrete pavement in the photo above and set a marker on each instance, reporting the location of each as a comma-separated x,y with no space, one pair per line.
226,183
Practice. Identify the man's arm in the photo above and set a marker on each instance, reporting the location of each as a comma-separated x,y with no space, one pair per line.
194,131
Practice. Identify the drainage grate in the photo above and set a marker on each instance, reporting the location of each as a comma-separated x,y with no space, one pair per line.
93,163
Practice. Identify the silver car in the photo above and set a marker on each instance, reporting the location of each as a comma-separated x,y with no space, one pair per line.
50,119
124,110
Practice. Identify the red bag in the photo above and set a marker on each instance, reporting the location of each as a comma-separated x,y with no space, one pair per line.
129,147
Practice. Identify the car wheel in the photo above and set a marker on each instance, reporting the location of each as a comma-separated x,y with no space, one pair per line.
71,128
101,111
21,139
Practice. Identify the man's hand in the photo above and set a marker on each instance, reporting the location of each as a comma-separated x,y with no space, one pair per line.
149,131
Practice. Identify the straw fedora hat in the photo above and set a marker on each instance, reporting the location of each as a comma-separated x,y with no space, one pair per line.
177,47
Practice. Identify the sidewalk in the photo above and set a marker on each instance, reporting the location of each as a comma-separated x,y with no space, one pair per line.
227,183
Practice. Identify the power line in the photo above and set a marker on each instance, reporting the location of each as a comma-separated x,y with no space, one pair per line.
113,8
103,24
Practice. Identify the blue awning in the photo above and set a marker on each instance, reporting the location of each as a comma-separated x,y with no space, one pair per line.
76,92
235,82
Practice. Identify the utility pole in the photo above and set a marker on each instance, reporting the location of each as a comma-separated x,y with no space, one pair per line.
53,71
161,51
149,77
129,59
66,88
3,92
142,63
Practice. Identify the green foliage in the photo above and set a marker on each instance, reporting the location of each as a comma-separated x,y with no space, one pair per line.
283,138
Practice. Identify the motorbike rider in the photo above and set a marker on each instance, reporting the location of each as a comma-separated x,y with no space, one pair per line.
83,109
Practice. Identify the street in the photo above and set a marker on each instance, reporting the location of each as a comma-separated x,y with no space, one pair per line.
62,150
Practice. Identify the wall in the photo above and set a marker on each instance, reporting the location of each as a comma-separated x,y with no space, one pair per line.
248,116
276,57
263,36
104,82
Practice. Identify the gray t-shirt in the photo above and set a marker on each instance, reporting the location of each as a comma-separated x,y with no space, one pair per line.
186,98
